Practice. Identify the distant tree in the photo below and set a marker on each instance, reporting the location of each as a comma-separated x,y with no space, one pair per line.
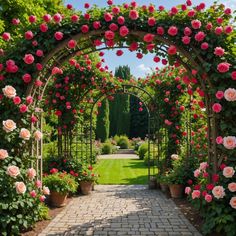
103,122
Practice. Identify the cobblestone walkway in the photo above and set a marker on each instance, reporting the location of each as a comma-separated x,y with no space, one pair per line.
121,210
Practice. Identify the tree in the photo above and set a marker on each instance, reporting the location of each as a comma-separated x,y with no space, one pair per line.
103,122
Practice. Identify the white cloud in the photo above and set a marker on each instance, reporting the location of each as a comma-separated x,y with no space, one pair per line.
144,68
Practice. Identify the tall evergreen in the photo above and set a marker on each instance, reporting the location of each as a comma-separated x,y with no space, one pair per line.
103,122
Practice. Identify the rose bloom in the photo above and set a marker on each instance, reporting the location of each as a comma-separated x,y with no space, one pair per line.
160,30
196,194
33,194
230,94
74,18
13,171
109,35
219,140
113,27
29,35
28,59
173,31
43,27
196,24
204,46
121,20
24,134
200,36
26,78
38,184
228,29
20,187
148,38
3,154
196,173
46,190
6,36
232,187
9,91
151,21
203,166
124,31
233,75
219,51
71,44
31,173
218,192
187,31
38,135
84,29
186,40
223,67
58,35
47,18
229,142
233,202
187,190
208,198
108,17
9,125
42,198
96,24
219,30
133,15
219,94
228,172
216,107
57,18
23,108
172,50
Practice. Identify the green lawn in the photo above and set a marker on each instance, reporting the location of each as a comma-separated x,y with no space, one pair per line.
122,171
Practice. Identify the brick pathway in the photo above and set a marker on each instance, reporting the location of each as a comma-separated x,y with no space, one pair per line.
121,210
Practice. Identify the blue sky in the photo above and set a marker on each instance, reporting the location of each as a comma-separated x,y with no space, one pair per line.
138,67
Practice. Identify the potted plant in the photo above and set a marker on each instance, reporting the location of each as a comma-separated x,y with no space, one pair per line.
87,180
60,184
163,180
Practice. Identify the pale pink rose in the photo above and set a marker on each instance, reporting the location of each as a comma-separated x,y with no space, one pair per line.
230,94
20,187
24,134
9,125
219,140
9,91
3,154
203,166
228,172
42,198
31,173
208,198
218,192
232,187
46,190
196,173
13,171
196,194
187,190
38,184
233,202
38,135
229,142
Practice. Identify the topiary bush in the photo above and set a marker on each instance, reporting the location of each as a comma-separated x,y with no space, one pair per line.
142,150
123,142
107,148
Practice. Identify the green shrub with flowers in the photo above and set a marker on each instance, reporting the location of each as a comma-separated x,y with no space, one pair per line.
215,199
87,174
61,182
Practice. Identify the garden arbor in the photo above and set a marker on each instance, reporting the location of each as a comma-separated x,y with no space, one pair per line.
202,40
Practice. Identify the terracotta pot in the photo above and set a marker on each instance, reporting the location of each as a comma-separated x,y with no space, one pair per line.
164,187
86,187
58,199
176,190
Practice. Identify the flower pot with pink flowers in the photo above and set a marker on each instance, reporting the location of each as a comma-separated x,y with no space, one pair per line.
60,185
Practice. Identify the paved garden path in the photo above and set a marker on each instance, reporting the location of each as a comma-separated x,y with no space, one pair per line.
121,210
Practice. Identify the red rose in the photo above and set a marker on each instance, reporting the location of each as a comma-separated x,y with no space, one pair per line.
84,29
72,44
96,24
223,67
6,36
29,35
26,78
124,31
173,30
148,38
58,35
121,20
133,15
28,59
43,27
74,18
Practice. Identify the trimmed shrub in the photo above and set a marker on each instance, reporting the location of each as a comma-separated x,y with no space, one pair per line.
107,148
123,142
142,150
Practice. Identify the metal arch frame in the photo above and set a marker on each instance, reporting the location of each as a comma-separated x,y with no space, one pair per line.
124,90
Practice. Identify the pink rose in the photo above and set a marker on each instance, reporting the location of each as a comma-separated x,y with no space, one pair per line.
84,29
219,140
24,134
46,190
223,67
186,40
57,18
172,50
3,154
9,125
13,171
200,36
173,30
160,30
151,21
116,10
187,190
72,44
38,184
74,18
43,27
109,35
219,30
108,17
31,173
29,100
196,24
148,38
233,202
230,94
28,59
204,46
15,21
133,15
232,187
219,95
124,31
58,35
218,192
121,20
191,13
187,31
96,24
216,107
42,198
228,172
32,19
219,51
196,173
9,91
113,27
229,142
208,198
228,29
196,194
203,166
26,78
233,75
20,187
29,35
38,135
33,194
47,18
6,36
39,53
